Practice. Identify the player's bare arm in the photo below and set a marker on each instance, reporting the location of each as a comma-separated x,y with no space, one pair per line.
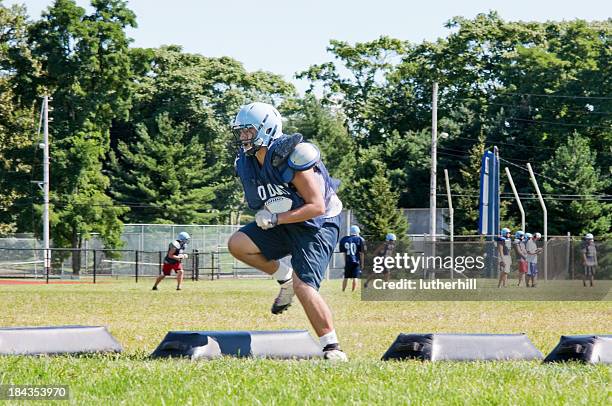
171,254
314,205
500,251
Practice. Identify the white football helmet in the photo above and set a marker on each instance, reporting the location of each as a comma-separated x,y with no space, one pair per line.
184,237
256,125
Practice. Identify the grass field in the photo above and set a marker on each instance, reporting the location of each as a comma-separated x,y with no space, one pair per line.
139,319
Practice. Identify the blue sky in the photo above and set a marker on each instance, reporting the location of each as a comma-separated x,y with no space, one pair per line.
287,36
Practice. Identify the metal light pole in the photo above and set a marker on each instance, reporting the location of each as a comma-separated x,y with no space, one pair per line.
451,212
434,158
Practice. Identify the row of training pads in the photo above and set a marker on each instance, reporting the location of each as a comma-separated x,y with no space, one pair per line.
299,344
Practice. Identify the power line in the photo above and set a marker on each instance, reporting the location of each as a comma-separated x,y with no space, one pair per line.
504,143
453,155
537,108
530,194
559,96
526,170
465,155
560,195
555,123
539,174
59,203
525,198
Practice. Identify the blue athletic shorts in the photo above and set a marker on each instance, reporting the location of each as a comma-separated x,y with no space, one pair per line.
533,269
589,270
352,270
311,249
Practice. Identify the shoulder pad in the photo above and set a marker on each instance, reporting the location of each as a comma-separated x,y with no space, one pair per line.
304,156
283,147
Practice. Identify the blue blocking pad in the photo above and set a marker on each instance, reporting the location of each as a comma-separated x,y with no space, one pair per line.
285,344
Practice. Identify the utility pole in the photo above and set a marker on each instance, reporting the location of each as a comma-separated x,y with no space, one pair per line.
434,153
451,213
45,148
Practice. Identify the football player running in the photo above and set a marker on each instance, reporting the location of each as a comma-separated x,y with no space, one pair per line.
173,260
297,214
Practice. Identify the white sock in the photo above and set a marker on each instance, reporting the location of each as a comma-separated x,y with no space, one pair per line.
283,272
329,338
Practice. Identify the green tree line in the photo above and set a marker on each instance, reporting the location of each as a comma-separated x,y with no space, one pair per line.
142,135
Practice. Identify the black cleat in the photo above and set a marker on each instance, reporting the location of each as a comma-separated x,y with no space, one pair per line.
284,298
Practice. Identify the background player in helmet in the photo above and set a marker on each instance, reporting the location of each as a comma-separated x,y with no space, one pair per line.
297,214
519,251
172,261
354,248
532,257
504,248
589,258
386,249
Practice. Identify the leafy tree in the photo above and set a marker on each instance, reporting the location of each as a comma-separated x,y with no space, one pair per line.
374,201
17,124
16,152
571,171
408,162
164,179
83,64
360,93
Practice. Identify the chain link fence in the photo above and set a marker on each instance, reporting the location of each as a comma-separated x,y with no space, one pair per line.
145,246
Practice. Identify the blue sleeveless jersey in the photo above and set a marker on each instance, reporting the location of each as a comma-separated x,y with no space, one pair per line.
506,244
266,182
352,246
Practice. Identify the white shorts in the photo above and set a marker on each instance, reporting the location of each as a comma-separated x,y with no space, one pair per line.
507,263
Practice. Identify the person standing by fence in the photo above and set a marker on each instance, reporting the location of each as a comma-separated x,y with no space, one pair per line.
532,257
521,254
504,247
589,259
173,260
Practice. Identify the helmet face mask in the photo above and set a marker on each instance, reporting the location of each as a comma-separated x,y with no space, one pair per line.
184,237
245,137
255,126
